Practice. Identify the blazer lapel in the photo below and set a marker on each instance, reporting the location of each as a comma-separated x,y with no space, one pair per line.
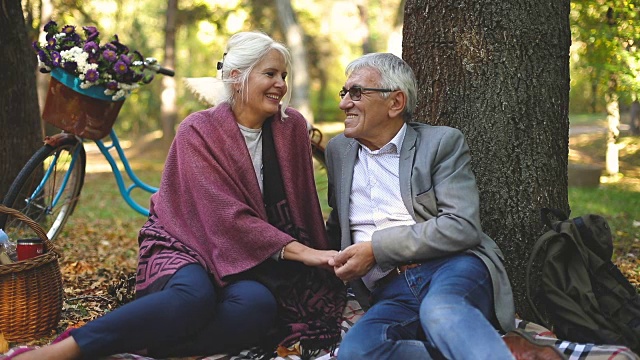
407,154
348,163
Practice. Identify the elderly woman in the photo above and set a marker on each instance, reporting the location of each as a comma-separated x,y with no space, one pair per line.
234,251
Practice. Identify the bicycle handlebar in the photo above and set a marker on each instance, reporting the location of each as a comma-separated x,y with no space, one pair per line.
152,64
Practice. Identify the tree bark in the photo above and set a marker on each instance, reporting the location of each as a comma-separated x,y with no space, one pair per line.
21,133
168,108
499,72
294,35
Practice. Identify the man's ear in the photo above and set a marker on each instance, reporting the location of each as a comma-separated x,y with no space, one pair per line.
398,102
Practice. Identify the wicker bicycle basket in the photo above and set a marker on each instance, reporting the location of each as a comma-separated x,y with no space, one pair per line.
76,112
30,290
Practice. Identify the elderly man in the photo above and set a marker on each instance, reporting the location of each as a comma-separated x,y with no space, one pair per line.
406,211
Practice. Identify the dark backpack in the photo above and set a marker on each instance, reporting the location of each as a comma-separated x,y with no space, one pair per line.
584,295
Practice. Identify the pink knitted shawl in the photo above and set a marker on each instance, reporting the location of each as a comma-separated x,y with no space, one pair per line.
209,209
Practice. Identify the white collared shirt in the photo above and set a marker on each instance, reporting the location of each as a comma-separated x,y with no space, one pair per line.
375,201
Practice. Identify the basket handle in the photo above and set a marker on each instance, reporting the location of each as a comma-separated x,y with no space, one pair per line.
32,224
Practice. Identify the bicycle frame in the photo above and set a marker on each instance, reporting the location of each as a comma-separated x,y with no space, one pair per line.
120,180
137,183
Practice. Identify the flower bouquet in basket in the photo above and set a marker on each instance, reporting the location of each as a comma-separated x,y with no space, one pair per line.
89,81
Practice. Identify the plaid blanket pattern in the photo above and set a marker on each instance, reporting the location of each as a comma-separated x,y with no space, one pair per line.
353,311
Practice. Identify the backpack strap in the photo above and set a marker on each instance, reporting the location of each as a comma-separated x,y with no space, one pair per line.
536,250
559,214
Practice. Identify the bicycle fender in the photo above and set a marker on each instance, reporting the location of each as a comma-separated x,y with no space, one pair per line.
60,139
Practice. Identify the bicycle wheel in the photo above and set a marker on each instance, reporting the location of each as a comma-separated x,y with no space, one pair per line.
320,175
47,188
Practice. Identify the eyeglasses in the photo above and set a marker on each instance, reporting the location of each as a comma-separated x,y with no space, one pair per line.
355,92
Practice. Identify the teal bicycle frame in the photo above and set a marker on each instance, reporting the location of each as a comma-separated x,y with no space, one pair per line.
137,183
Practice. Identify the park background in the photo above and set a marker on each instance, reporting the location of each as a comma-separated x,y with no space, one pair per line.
602,67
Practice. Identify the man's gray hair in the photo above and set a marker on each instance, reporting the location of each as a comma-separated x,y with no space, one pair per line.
395,74
244,50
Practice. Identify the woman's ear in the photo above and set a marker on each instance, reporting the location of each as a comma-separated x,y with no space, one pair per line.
235,75
398,101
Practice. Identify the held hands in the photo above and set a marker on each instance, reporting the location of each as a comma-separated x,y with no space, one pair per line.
354,261
311,257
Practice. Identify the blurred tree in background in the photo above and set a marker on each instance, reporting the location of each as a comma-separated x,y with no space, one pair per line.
333,32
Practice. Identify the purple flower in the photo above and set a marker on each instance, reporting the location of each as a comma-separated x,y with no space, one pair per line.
55,58
91,48
70,66
125,59
110,46
92,75
121,48
43,57
110,55
51,43
112,85
69,29
91,32
120,67
35,46
51,26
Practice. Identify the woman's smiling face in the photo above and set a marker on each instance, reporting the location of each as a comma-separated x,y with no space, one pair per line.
266,86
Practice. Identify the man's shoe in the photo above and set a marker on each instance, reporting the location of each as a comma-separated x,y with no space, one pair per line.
525,347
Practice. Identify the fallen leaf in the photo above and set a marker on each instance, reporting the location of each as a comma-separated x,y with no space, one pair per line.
4,345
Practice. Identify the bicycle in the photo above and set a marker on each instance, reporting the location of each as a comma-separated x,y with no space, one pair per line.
48,187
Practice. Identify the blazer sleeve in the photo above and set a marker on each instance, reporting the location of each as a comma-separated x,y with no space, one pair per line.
446,212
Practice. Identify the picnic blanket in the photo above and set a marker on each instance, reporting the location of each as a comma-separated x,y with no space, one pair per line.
353,312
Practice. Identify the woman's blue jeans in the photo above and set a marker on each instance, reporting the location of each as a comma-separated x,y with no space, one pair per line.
189,316
439,309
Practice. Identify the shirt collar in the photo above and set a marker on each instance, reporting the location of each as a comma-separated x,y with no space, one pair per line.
394,146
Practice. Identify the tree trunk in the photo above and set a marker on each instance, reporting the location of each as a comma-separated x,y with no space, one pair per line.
21,134
294,35
394,43
365,32
42,80
168,108
499,72
613,125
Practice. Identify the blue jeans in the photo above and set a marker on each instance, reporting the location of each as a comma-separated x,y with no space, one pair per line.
439,309
189,316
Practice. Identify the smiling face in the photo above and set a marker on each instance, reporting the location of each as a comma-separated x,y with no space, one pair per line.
265,87
373,120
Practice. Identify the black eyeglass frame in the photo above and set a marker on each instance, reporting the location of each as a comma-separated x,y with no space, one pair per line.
355,92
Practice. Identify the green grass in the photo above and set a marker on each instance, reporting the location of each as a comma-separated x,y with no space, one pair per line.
588,119
619,204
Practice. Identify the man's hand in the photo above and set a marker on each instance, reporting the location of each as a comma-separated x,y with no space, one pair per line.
354,261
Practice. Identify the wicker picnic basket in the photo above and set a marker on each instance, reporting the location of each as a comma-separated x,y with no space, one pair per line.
30,290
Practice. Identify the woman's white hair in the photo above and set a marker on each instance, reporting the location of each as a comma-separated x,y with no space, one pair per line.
244,50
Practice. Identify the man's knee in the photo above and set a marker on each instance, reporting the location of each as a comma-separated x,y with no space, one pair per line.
352,349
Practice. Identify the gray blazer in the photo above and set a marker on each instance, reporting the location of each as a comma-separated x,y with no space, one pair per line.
439,190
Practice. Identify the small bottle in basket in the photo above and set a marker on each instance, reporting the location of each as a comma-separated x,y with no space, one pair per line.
7,248
29,248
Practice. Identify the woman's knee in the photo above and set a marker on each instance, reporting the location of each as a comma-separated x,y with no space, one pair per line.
191,291
250,300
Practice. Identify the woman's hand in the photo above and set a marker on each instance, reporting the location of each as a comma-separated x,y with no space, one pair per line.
296,251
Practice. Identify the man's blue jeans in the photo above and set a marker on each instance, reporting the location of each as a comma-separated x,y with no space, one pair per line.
439,309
